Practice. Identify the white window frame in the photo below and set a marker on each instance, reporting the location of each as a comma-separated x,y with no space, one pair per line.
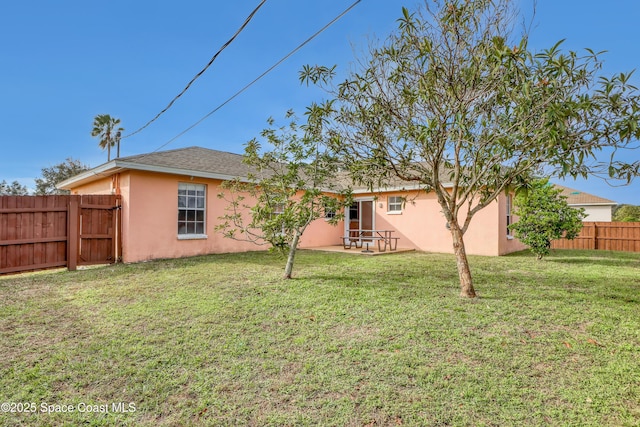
278,209
509,214
192,211
394,205
329,213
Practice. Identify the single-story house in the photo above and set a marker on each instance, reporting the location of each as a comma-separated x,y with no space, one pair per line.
596,208
170,209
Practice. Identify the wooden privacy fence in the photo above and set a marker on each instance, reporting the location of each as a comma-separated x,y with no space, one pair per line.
608,236
39,232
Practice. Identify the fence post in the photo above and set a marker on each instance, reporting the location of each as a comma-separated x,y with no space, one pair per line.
595,235
73,233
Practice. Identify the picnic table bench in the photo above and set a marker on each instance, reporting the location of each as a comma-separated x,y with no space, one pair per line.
357,237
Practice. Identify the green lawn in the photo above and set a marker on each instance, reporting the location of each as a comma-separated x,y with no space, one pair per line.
351,341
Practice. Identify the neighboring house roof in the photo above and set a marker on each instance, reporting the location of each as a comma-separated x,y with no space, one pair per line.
193,161
580,198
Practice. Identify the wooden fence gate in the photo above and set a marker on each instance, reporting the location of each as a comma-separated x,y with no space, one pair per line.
39,232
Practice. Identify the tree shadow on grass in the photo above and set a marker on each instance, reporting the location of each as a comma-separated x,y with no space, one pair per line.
608,260
586,257
620,297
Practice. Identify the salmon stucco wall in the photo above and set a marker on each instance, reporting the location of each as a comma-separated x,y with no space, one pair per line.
102,186
321,233
150,218
422,226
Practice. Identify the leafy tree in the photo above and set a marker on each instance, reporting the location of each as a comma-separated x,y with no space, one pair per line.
288,188
13,189
455,102
627,213
106,128
544,215
55,174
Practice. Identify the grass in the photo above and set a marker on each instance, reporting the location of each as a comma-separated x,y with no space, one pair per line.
351,341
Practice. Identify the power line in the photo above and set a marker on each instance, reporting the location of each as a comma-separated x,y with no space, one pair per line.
224,46
300,46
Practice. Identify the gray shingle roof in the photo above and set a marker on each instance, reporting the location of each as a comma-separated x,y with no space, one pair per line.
197,159
202,161
576,197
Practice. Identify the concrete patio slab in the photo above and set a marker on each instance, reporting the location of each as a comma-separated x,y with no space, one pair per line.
373,250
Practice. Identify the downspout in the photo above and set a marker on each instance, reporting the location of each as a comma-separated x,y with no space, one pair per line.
115,184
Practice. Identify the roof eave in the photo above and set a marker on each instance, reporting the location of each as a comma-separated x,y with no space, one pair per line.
395,188
594,204
91,175
115,166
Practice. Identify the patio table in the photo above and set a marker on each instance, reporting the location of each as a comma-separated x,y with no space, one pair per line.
383,237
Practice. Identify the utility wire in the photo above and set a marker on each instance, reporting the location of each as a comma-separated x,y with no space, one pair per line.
224,46
300,46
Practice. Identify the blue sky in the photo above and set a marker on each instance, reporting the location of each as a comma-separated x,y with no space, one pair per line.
64,62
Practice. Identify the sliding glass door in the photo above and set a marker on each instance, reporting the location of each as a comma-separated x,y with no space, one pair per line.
361,216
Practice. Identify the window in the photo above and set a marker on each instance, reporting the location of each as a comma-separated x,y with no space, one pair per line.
394,204
329,213
353,211
191,210
278,209
509,202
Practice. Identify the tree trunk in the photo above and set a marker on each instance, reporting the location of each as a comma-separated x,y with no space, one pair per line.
464,272
292,254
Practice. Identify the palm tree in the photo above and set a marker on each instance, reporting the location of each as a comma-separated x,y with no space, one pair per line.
105,127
